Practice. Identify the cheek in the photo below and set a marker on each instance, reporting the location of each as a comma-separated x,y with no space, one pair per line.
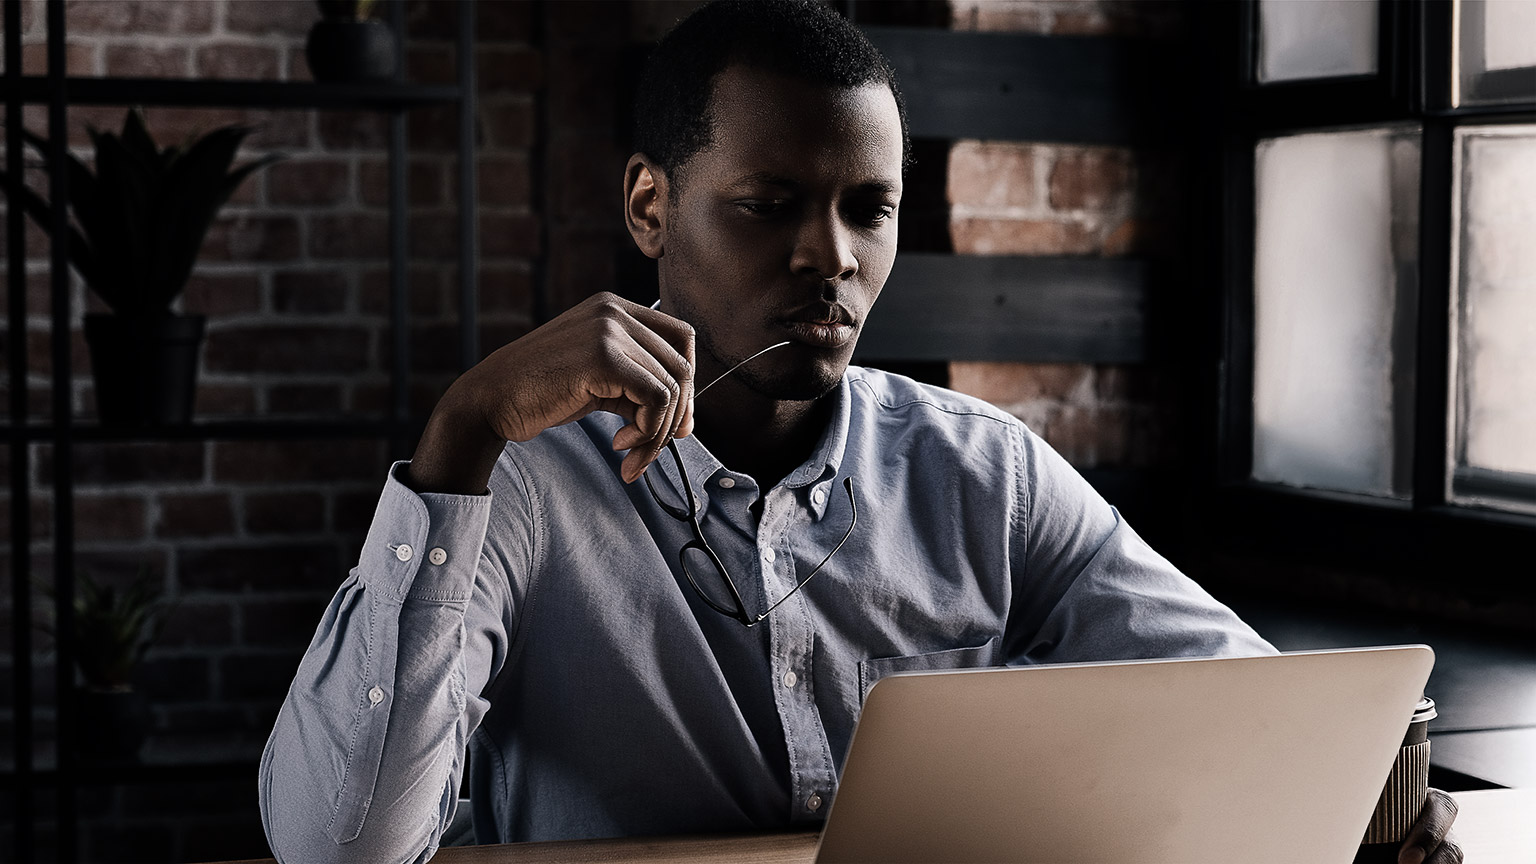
711,248
876,257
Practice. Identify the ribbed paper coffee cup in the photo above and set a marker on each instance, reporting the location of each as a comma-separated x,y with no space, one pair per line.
1403,797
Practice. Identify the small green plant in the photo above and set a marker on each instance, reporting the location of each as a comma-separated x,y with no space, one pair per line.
345,10
141,217
113,629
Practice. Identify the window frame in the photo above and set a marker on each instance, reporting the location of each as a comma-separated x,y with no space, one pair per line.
1428,538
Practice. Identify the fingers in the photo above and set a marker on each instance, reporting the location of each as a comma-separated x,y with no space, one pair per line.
649,399
1428,839
651,362
1448,853
678,336
604,354
675,372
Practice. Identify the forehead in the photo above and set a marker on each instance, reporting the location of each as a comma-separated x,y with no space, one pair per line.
764,122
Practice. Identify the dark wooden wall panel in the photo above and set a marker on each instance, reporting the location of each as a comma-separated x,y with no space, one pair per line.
1026,87
1010,308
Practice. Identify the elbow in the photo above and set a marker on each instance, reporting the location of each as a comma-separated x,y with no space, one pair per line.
299,829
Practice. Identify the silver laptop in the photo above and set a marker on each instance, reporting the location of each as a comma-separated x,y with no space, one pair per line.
1251,759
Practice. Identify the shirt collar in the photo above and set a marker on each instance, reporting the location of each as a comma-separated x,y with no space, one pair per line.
817,478
818,472
827,458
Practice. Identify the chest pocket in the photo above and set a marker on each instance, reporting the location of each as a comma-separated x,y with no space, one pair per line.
870,671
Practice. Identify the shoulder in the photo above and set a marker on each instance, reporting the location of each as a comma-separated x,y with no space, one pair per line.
884,396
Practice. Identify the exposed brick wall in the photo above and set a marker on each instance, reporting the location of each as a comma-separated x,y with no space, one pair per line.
1094,415
586,147
1157,18
250,538
1031,198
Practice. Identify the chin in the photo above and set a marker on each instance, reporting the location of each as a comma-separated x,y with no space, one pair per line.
801,385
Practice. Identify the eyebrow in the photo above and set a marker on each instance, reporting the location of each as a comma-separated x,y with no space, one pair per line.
765,178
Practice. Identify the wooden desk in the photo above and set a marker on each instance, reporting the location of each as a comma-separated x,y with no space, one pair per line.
1495,826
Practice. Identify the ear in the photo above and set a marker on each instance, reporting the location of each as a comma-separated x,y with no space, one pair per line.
645,205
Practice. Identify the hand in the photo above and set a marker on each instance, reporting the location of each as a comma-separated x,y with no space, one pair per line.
606,354
1429,840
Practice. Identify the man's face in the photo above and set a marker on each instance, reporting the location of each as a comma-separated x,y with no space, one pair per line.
784,228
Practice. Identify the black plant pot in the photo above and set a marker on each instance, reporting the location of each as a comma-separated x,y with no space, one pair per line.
145,367
352,51
110,725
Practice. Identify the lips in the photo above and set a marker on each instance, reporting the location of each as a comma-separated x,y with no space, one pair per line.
821,326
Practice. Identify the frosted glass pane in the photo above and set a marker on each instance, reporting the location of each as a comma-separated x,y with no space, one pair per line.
1495,51
1495,315
1509,34
1334,288
1316,39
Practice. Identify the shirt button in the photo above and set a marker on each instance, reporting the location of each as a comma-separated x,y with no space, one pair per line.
769,556
404,551
790,679
376,695
817,497
437,555
813,802
727,482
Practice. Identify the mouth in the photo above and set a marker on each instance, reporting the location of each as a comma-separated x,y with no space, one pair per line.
820,326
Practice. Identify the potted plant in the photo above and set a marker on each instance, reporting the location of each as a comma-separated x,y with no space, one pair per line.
347,45
112,631
139,222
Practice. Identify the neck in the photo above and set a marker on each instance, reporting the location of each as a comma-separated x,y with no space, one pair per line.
757,436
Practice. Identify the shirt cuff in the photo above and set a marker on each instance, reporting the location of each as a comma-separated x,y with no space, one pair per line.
424,546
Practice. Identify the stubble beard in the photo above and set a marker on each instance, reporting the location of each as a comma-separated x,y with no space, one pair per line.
794,386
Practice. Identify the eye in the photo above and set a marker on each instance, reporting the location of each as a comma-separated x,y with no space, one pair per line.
872,215
763,207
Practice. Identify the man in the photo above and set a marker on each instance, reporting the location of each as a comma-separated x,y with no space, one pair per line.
630,657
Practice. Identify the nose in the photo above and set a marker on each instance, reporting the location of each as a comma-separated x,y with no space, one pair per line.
824,249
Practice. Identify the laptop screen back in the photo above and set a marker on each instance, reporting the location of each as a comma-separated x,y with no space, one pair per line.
1253,759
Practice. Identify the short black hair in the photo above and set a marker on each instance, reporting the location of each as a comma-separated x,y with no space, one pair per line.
802,39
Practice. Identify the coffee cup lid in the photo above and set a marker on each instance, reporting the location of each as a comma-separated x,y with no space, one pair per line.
1424,711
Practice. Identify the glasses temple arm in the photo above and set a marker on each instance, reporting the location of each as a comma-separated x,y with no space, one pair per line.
852,506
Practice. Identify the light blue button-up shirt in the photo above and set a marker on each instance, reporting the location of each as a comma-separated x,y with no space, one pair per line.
548,627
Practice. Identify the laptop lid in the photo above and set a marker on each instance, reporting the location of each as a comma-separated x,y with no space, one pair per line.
1253,759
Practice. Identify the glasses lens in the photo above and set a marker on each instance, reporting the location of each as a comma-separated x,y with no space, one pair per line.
708,580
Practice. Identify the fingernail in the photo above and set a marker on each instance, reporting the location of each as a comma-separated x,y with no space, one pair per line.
1411,855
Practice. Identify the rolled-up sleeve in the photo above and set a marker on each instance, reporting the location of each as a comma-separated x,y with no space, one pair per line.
364,759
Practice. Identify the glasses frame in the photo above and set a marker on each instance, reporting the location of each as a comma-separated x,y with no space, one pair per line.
691,516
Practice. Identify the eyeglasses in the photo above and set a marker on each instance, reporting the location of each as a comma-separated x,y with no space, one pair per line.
698,548
699,552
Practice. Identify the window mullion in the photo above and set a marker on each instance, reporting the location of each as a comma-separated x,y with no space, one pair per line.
1432,400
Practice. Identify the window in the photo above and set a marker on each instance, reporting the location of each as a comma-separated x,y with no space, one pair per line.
1493,316
1320,39
1495,52
1375,209
1334,295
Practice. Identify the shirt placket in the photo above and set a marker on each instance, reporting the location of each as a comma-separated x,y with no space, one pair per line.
791,638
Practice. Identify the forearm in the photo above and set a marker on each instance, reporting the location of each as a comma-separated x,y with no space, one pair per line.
457,451
363,761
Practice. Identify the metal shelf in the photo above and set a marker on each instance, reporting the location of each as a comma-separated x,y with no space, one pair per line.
224,430
129,773
27,777
382,96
